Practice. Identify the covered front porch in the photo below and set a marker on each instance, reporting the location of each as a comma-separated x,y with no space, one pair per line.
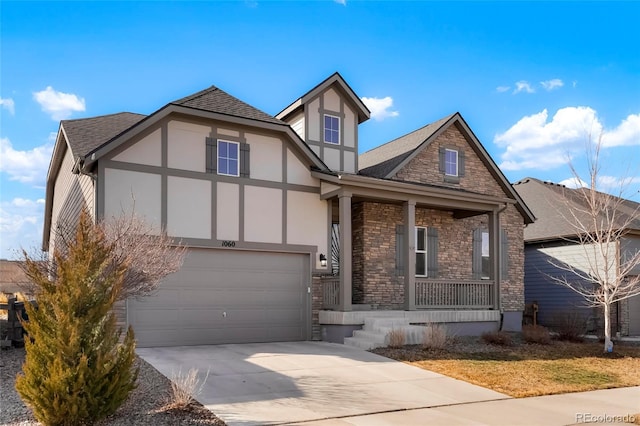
381,228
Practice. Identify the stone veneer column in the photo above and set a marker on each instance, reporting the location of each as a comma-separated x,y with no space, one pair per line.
344,207
494,255
409,258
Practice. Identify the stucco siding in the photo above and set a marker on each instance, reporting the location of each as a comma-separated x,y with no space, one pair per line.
188,207
266,157
350,127
332,158
314,120
228,211
146,151
72,193
298,173
127,192
186,146
263,215
307,221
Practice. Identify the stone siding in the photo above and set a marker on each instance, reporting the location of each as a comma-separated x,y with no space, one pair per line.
376,282
425,167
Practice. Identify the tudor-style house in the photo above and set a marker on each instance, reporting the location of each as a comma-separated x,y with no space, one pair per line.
292,235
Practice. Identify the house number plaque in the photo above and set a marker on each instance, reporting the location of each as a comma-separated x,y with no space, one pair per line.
228,244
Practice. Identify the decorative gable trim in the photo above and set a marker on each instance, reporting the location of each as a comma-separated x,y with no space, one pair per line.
361,109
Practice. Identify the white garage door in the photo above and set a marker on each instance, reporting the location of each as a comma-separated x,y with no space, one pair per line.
227,296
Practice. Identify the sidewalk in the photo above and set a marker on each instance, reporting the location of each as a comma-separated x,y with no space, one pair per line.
609,406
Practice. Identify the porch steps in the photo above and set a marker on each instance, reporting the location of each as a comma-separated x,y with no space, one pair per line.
375,330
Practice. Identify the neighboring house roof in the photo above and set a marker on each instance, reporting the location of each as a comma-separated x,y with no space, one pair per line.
552,204
386,160
86,134
361,109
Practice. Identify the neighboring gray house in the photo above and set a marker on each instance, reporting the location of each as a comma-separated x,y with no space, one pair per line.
425,227
548,242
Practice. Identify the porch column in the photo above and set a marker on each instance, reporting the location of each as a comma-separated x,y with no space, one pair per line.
494,255
344,207
409,256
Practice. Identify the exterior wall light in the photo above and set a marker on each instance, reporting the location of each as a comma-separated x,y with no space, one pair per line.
323,260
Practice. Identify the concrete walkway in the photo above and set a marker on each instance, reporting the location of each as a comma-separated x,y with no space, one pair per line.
288,383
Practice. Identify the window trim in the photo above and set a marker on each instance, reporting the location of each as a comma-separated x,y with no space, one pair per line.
423,252
237,144
457,163
324,128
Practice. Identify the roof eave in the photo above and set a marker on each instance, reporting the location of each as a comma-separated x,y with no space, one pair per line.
362,110
123,137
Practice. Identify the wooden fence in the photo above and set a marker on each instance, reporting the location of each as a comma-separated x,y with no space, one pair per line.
11,328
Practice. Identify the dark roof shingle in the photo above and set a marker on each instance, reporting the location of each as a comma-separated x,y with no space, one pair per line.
86,134
219,101
380,161
552,204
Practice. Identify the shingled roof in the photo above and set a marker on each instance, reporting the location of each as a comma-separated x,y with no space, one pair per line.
380,161
552,203
86,134
219,101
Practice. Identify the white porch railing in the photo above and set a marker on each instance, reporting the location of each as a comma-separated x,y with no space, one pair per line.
330,292
454,294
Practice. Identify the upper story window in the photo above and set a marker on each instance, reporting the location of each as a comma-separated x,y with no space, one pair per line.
331,129
451,162
228,158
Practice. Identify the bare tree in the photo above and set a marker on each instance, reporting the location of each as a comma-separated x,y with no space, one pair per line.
599,222
148,255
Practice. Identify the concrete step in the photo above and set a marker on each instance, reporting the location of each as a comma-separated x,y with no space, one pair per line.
376,324
378,338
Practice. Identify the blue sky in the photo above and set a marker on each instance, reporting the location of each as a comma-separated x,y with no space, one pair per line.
531,79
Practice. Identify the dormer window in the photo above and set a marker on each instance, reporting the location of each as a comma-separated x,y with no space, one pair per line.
451,162
331,129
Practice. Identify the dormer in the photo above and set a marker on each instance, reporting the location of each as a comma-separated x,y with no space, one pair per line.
327,119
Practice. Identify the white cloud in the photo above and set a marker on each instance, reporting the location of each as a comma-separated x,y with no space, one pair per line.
523,86
20,226
58,104
553,84
28,166
8,104
502,89
574,182
536,143
380,107
627,133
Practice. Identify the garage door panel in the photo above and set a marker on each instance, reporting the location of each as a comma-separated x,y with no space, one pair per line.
264,297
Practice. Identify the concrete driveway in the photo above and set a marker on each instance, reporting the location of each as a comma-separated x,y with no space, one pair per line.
280,383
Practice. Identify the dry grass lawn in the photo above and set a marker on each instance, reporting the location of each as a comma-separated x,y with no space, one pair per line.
524,370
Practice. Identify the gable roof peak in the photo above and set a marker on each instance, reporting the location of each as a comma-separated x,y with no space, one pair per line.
214,99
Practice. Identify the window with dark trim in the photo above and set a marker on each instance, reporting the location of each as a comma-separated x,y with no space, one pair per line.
227,158
481,262
421,251
331,129
450,162
426,251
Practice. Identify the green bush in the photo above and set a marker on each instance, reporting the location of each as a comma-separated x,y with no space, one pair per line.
76,370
